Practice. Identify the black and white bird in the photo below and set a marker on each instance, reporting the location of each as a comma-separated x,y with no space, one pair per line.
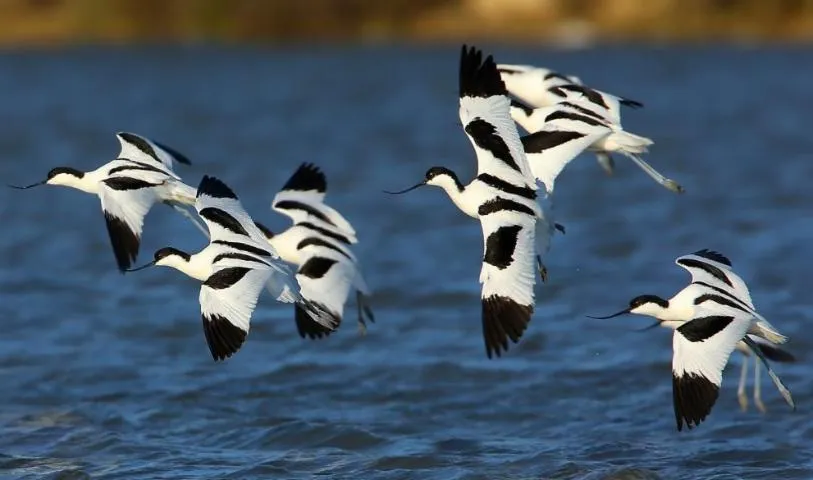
502,197
128,187
318,243
542,87
234,268
712,316
570,127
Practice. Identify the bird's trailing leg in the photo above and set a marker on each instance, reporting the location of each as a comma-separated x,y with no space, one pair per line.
741,395
758,390
363,309
543,271
606,162
656,175
779,385
183,211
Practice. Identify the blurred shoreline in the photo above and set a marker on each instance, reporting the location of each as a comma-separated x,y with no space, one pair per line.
28,23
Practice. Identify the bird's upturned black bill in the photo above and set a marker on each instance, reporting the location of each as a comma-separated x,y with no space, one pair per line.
407,190
622,312
28,186
139,268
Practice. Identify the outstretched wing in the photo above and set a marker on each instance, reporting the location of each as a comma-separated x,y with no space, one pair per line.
607,104
563,134
125,203
701,350
227,300
715,269
486,119
325,278
302,199
141,149
531,84
225,217
508,273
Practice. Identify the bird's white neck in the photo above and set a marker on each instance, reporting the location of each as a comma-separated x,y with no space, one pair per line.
88,183
463,199
197,266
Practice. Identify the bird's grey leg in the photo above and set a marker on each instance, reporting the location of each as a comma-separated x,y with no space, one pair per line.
192,218
606,162
360,306
741,396
656,175
779,385
757,390
543,271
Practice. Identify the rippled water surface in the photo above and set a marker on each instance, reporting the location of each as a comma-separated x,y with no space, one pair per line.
108,376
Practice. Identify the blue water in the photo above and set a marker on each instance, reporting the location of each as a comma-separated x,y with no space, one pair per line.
108,376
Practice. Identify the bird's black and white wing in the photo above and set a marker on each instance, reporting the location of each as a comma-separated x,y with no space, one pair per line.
486,119
325,278
531,84
140,149
302,199
508,273
714,271
228,298
125,202
701,350
607,104
560,134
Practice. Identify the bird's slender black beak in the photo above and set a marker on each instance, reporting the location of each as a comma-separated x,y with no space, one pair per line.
140,268
29,186
656,324
407,190
622,312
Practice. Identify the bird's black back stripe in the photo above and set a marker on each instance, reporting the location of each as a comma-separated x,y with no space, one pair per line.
543,140
714,256
702,328
226,278
128,183
557,75
507,187
306,178
566,115
499,204
582,110
726,294
526,109
316,267
500,246
239,256
135,167
485,136
244,247
223,337
720,300
294,205
214,188
557,91
225,220
318,242
479,78
692,396
503,319
176,155
710,269
325,232
590,94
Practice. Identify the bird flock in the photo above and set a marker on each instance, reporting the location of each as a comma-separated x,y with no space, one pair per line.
511,195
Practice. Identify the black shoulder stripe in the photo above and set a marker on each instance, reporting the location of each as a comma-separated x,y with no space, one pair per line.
226,277
557,75
499,204
137,166
720,300
714,256
307,177
294,205
479,78
526,109
316,267
225,220
507,187
543,140
702,328
708,268
565,115
128,183
727,295
244,247
485,136
591,95
500,246
318,242
215,188
582,110
326,232
557,91
239,256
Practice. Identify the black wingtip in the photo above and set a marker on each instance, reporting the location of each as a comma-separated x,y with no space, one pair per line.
222,336
125,243
176,155
714,256
479,78
631,103
503,319
307,326
693,396
215,188
307,177
776,354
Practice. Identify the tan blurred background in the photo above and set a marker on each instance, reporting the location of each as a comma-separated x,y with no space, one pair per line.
44,22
